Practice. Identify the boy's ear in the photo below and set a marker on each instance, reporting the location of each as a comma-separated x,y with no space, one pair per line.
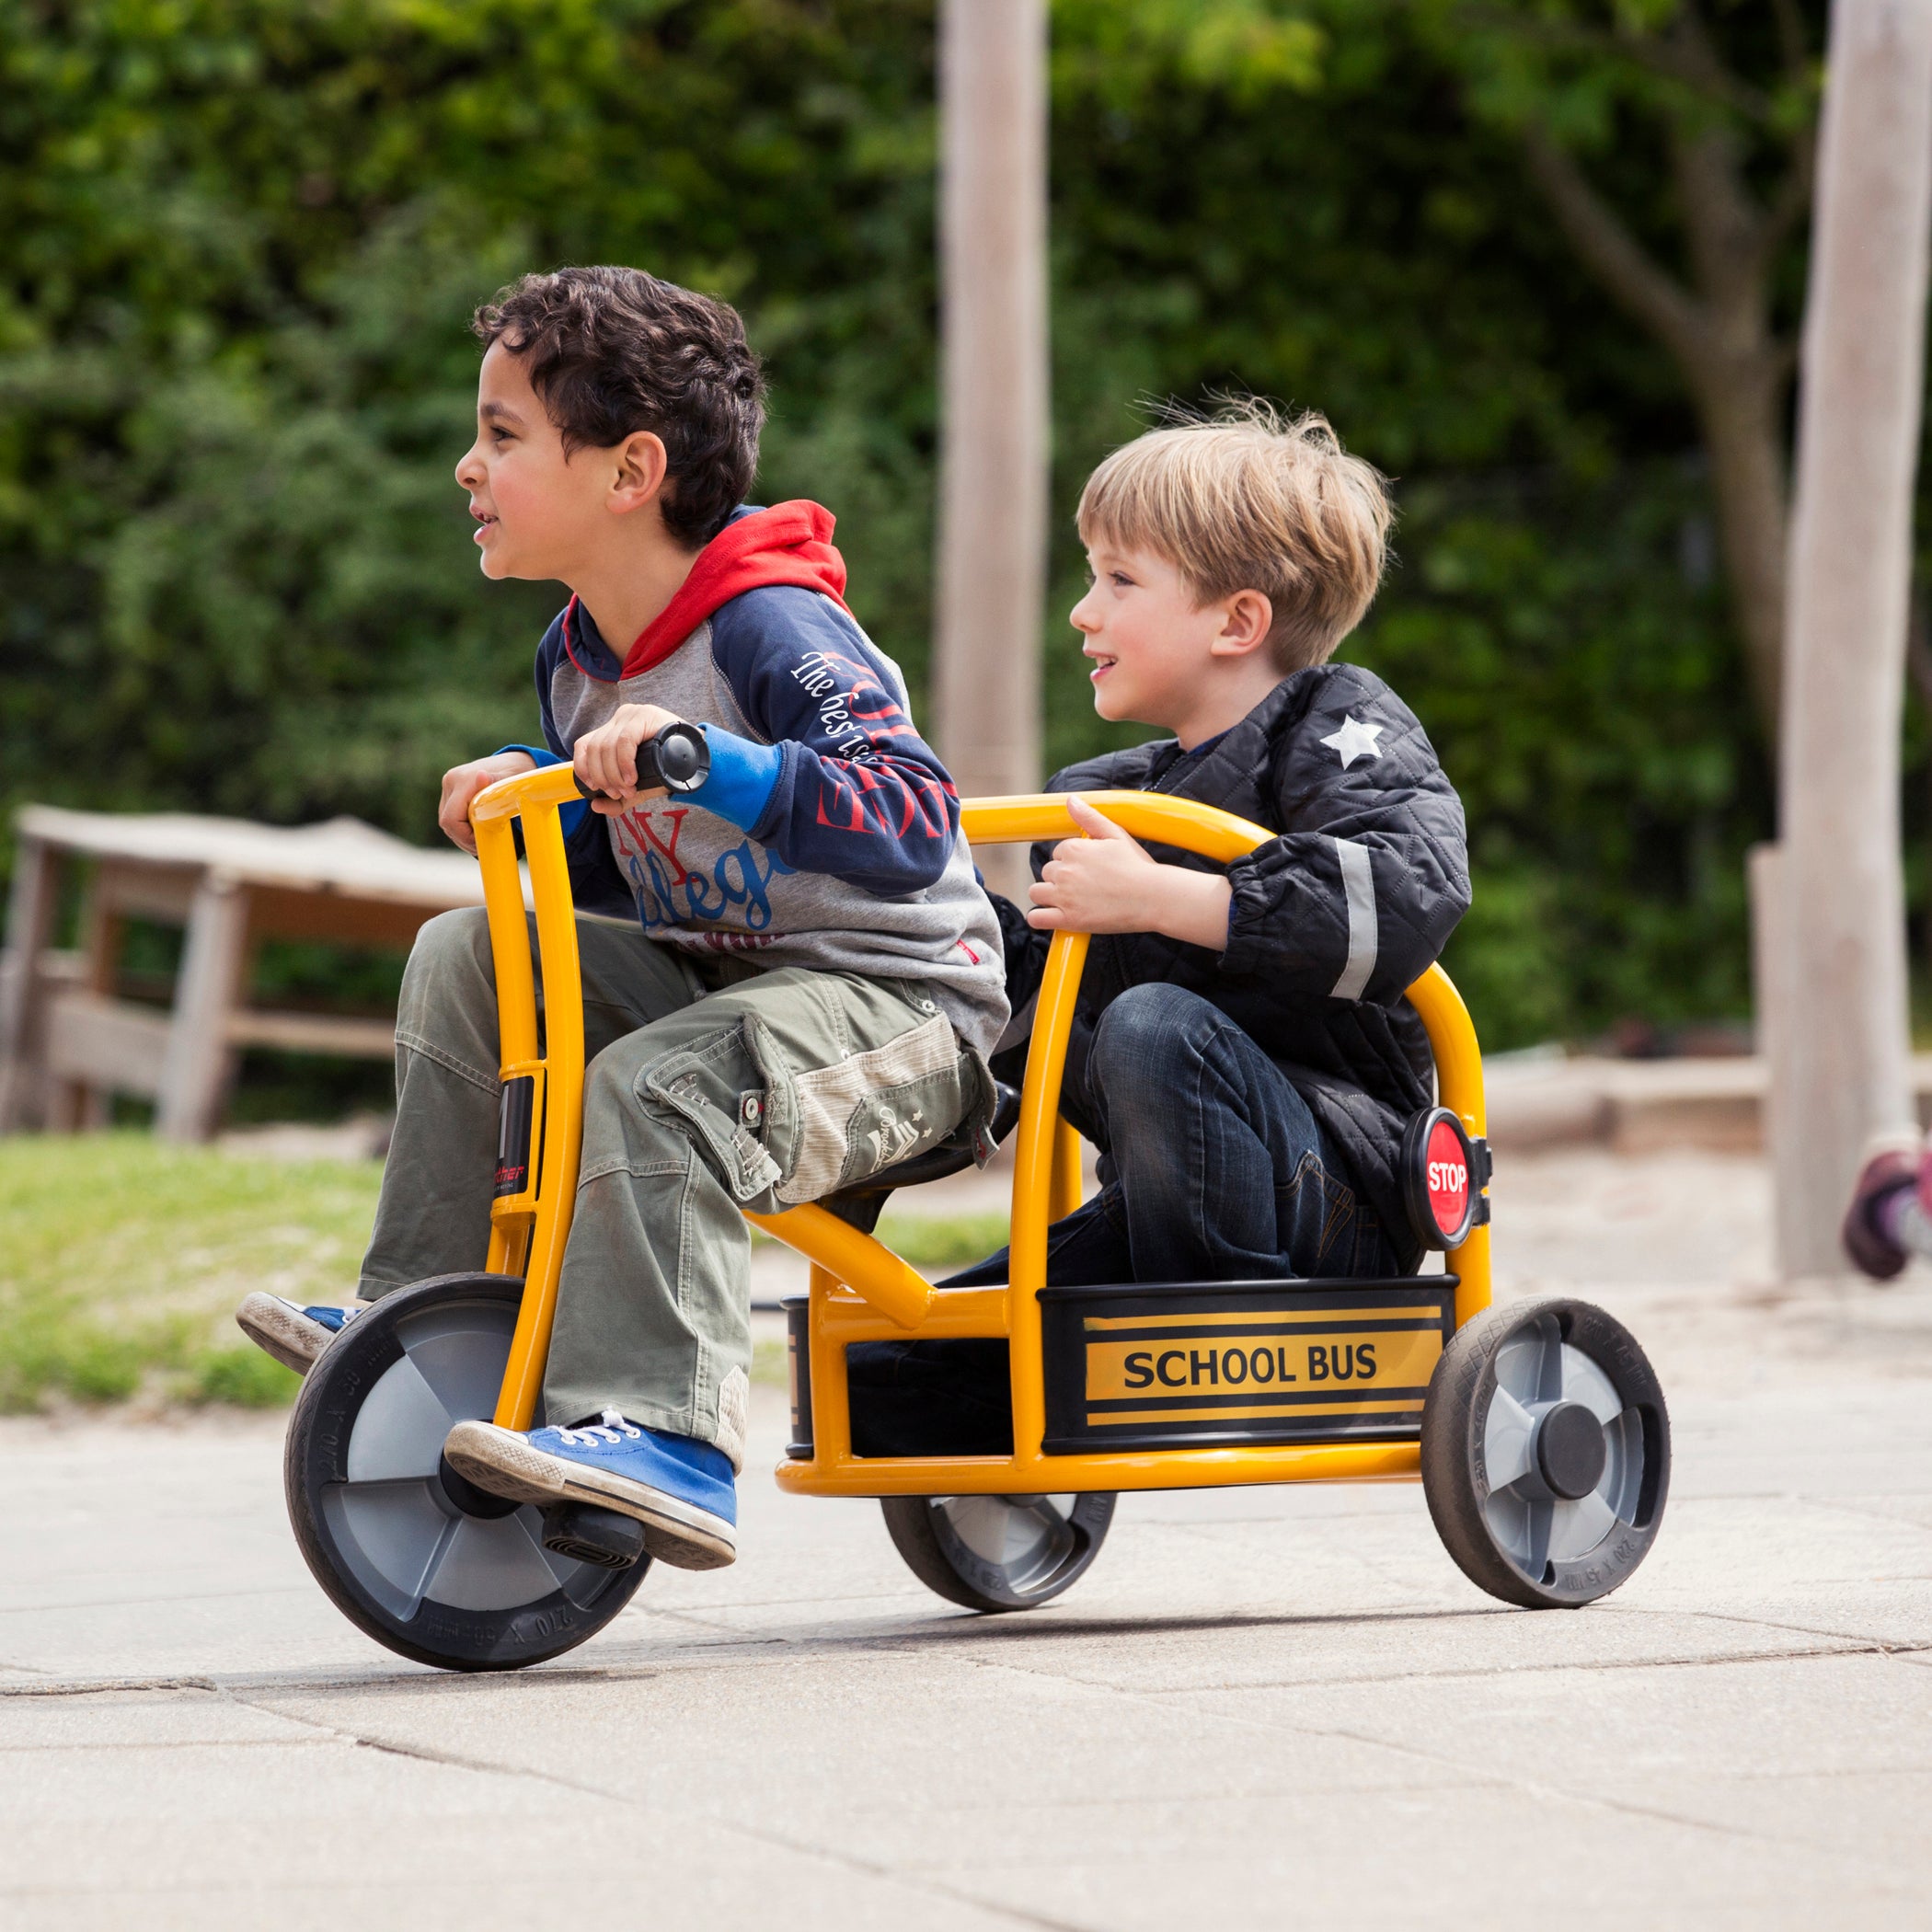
641,466
1248,618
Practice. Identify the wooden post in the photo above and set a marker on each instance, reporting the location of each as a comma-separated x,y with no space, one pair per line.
1771,1003
83,1103
195,1079
29,928
1840,1069
993,471
1770,958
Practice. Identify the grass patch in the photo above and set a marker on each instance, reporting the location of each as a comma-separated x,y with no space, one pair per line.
930,1241
124,1259
244,1376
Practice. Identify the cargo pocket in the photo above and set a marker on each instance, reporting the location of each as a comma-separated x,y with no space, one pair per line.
708,1084
833,1125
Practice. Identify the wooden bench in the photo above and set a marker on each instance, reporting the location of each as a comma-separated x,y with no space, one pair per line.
68,1040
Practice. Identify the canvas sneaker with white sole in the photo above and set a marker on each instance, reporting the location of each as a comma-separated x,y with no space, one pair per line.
292,1334
682,1491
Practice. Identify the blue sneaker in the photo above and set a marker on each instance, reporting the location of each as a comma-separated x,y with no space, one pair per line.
293,1335
680,1489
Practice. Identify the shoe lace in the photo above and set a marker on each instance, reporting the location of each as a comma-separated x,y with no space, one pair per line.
611,1428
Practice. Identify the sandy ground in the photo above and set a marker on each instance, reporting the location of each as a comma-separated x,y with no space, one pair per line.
1273,1707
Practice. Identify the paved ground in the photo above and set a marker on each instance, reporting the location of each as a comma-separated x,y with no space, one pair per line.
1261,1708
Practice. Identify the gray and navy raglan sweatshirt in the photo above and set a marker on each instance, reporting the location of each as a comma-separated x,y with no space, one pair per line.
827,833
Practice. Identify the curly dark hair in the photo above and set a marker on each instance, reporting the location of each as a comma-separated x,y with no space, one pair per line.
613,350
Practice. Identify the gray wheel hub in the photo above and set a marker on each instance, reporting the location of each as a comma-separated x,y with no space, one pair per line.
1010,1543
1562,1453
1570,1452
408,1535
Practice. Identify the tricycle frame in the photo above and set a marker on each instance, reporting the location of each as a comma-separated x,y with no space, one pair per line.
860,1290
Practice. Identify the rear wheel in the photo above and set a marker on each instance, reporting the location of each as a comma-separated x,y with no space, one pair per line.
998,1552
409,1552
1546,1452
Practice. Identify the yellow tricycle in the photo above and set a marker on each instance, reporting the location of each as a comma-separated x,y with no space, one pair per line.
1538,1429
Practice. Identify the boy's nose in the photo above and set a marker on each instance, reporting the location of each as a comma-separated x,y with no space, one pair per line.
468,468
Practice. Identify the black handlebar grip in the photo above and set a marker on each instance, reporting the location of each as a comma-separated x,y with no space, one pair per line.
678,758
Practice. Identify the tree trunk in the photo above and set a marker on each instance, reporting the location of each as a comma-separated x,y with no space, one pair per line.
1742,412
1738,371
1718,332
1840,1067
993,479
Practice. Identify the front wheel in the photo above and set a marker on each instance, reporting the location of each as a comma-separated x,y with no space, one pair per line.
1546,1453
408,1551
998,1552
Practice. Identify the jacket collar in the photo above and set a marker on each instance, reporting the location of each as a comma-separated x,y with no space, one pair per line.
1237,759
788,544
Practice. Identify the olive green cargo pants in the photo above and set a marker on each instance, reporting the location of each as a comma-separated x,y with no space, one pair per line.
758,1089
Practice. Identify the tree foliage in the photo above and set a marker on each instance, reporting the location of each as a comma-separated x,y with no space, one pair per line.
246,235
1674,143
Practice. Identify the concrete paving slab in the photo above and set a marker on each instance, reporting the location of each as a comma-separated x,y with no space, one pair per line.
1754,1541
1828,1758
948,1784
1882,1813
1453,1858
140,1720
1604,1732
405,1832
1149,1656
1889,1614
442,1894
942,1752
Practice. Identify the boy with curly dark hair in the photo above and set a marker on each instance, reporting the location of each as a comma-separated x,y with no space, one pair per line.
807,980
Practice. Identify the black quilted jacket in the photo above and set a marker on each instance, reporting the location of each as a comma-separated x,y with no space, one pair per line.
1331,919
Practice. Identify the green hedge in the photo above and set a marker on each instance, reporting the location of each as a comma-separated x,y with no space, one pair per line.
244,236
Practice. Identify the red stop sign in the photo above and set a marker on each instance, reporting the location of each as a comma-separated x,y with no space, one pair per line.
1443,1174
1447,1178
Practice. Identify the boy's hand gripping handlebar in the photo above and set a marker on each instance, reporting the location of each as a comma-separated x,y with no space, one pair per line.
678,758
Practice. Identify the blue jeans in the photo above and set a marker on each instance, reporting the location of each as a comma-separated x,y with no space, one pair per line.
1215,1170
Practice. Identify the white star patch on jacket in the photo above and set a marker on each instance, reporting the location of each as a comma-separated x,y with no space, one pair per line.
1355,739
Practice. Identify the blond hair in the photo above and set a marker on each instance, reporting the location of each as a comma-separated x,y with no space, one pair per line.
1249,500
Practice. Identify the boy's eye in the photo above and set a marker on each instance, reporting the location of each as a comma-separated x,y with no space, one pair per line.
1120,580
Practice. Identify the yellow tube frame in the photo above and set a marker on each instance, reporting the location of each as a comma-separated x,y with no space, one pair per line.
860,1290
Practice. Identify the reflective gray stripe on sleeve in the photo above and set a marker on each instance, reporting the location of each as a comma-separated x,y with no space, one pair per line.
1358,882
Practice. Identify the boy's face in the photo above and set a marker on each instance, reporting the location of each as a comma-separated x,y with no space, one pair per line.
1151,644
539,512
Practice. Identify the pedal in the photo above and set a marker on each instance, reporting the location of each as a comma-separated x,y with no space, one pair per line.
586,1533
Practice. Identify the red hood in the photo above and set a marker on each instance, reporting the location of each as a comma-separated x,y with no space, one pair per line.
789,543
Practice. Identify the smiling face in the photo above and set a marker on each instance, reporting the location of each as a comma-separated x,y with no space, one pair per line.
539,512
1158,657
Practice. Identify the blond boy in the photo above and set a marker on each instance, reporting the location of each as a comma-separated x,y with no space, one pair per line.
1243,1054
